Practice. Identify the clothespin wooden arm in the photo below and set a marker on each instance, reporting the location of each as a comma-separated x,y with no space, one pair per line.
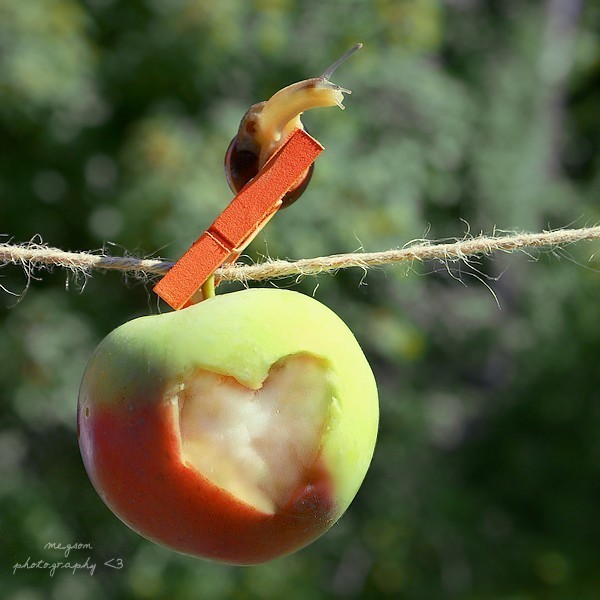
241,220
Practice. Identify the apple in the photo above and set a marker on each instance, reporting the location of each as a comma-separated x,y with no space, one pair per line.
238,429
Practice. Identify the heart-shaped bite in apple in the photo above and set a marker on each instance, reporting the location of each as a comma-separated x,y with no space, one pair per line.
259,445
238,429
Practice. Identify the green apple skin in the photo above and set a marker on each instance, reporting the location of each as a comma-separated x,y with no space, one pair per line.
130,440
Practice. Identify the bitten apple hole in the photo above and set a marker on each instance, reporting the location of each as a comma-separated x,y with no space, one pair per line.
258,445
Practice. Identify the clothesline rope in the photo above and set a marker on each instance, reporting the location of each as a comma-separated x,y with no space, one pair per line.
35,255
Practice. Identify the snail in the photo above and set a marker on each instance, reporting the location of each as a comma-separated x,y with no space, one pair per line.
266,125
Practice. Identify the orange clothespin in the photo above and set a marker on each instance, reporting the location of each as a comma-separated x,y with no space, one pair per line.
240,222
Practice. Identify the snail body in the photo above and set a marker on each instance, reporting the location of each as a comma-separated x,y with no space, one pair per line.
266,125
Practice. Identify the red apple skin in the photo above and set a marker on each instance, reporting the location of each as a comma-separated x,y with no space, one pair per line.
175,506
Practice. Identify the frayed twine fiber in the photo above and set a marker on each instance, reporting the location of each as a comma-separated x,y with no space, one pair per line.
33,255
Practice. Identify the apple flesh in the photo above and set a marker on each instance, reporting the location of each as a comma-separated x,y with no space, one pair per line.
238,429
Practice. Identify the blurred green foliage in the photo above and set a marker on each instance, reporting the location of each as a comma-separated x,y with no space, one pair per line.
114,118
